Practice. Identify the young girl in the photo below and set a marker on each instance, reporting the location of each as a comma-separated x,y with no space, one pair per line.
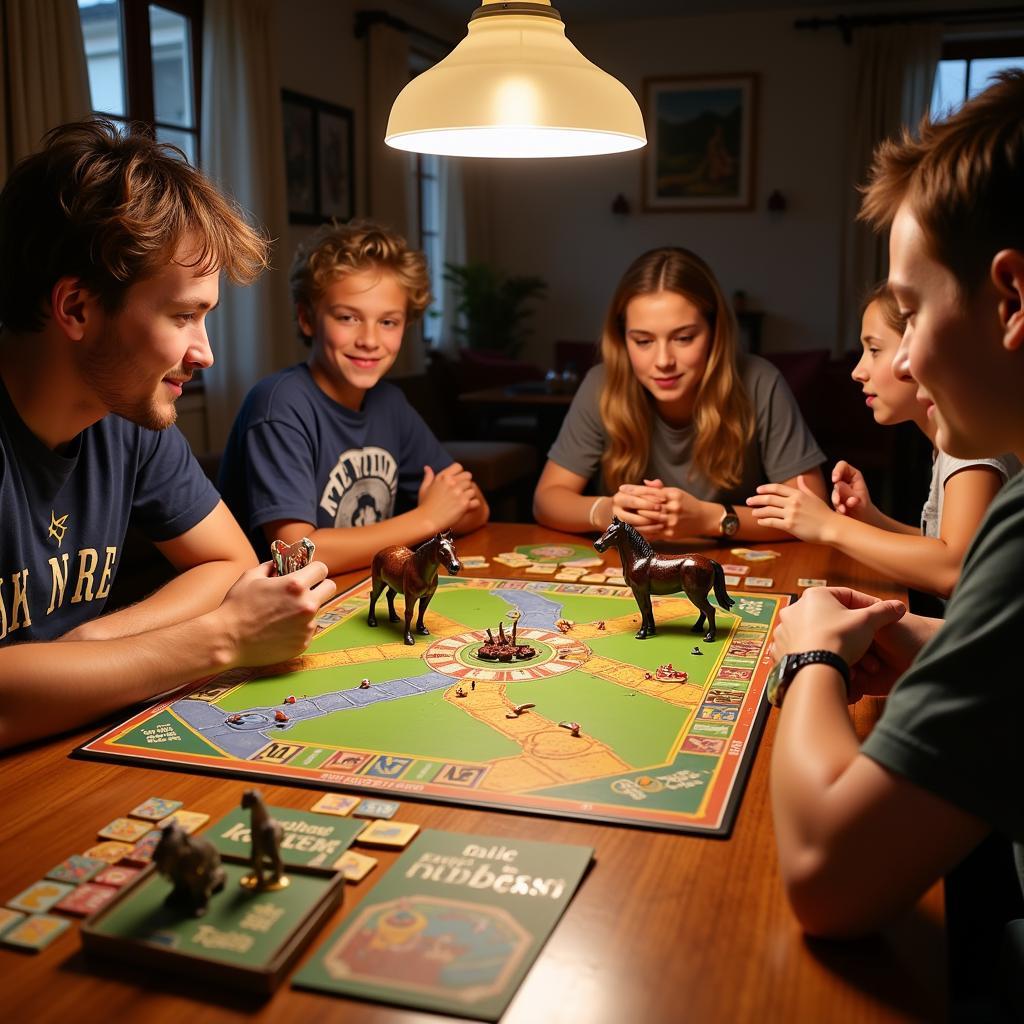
674,424
326,445
926,558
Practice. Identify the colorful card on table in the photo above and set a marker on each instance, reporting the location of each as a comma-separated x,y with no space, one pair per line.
110,850
86,899
759,581
758,555
371,808
156,808
316,840
142,852
489,904
187,821
474,562
77,869
388,833
35,932
809,581
125,830
336,803
40,896
732,581
355,866
736,570
117,875
9,918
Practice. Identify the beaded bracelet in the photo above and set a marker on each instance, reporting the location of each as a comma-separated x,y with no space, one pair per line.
593,512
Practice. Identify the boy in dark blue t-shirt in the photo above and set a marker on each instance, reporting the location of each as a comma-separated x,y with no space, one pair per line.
327,445
111,248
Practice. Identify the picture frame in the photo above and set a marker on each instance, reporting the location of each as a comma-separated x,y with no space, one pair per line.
702,151
319,150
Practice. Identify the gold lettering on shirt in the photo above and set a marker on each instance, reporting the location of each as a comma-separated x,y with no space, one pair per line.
58,527
108,564
19,600
59,578
88,558
3,611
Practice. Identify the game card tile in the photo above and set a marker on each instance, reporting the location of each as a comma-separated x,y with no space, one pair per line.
142,852
77,869
336,803
474,561
156,808
9,918
583,563
388,833
187,821
355,866
594,577
40,896
808,581
110,850
125,830
736,570
759,581
732,581
759,555
376,809
117,875
86,899
35,932
547,569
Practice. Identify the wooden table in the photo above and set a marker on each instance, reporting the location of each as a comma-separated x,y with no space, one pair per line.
665,927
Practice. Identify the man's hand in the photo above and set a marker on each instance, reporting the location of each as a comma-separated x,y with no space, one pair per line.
446,497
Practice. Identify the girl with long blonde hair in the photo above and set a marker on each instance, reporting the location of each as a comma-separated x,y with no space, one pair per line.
674,427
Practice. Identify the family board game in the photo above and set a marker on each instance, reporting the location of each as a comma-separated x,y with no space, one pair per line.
658,733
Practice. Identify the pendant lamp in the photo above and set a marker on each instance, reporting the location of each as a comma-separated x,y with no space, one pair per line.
515,87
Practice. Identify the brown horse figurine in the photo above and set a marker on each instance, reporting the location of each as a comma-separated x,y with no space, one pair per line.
412,574
265,844
648,573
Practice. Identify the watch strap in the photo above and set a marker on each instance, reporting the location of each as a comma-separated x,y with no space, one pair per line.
779,682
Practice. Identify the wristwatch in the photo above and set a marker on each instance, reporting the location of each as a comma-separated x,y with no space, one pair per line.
729,523
788,665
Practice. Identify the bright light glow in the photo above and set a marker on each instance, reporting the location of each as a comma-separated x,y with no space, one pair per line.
512,142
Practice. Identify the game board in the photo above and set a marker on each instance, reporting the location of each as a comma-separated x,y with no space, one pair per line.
656,752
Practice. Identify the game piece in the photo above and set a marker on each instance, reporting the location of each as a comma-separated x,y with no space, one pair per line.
697,650
290,699
472,684
805,581
413,574
110,851
519,709
265,844
397,834
117,875
759,581
647,675
459,691
514,615
564,625
9,918
376,808
291,557
192,865
280,716
187,821
355,866
77,869
234,719
142,852
156,808
336,803
505,648
40,896
125,830
86,899
675,675
651,573
364,684
35,932
573,727
601,625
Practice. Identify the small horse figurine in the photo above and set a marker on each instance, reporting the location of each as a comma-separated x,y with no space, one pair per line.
193,865
413,574
265,843
648,573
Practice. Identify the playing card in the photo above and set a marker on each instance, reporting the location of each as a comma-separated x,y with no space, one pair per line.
473,561
40,896
86,899
9,918
290,557
77,869
155,809
125,830
751,555
355,866
759,581
542,570
388,833
142,852
336,803
117,875
583,563
807,581
736,570
35,932
376,808
732,581
110,850
187,821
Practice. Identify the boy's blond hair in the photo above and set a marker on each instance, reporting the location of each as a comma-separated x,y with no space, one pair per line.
963,181
336,250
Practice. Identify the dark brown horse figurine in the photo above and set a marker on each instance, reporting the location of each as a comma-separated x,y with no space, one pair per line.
412,574
648,573
265,844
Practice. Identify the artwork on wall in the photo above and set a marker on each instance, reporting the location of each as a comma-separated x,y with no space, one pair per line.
319,159
701,152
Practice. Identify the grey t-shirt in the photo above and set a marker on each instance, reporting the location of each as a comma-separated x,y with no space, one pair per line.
952,722
943,467
781,447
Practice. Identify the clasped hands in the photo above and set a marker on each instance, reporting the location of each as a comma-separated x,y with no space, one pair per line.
659,512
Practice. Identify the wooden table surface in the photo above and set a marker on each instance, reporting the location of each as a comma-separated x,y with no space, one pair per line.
665,927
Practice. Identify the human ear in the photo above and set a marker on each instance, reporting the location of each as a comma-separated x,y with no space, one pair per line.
71,307
1008,277
302,314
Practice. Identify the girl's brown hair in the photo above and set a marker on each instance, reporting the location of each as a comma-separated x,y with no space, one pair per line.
723,415
882,294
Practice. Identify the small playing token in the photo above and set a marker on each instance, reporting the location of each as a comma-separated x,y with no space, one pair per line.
126,830
376,809
9,918
110,850
336,803
355,866
35,932
696,650
292,557
40,896
117,875
142,852
77,869
388,833
155,808
187,821
86,899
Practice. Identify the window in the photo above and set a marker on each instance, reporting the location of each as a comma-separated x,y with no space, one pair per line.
968,66
144,61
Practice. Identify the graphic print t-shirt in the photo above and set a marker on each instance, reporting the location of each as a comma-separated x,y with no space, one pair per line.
296,454
63,516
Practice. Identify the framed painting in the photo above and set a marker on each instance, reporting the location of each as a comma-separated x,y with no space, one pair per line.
702,142
319,159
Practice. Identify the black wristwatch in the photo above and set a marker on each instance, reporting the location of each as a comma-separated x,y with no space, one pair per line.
788,665
729,523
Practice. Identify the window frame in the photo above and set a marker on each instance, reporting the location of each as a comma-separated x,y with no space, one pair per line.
968,50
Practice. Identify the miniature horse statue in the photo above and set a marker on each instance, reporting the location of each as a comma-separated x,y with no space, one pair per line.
648,573
193,865
265,841
413,574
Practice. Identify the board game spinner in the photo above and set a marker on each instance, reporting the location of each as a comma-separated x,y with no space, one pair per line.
657,733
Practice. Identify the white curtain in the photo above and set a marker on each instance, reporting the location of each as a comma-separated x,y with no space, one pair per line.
390,178
892,86
453,243
44,80
242,149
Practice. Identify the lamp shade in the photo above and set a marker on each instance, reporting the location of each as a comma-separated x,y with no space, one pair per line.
515,87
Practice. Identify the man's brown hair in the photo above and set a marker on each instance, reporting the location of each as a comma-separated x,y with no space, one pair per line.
111,208
337,250
963,181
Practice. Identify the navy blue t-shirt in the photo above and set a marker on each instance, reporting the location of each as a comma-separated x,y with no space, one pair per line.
296,454
63,516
